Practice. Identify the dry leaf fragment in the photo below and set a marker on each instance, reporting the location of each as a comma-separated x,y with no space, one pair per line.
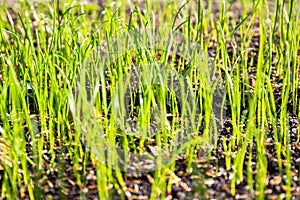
276,180
185,187
4,157
150,179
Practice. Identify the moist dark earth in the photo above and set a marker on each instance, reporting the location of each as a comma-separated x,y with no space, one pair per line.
210,178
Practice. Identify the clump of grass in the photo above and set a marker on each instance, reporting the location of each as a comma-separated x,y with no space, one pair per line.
73,74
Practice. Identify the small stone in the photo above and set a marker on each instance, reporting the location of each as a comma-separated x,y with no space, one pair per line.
209,182
85,190
294,130
181,195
